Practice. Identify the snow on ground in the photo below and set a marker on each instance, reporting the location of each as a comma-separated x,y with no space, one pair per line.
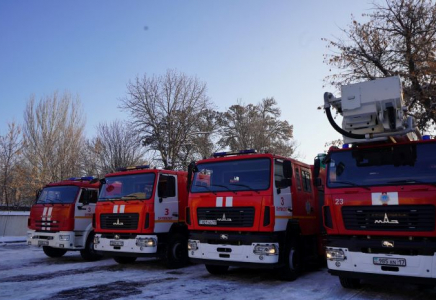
26,273
12,239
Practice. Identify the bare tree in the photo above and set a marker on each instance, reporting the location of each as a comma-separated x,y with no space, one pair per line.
89,159
166,111
115,146
10,153
202,142
53,137
399,39
257,126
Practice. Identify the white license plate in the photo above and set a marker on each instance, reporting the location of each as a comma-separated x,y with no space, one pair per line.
42,243
117,243
207,222
386,261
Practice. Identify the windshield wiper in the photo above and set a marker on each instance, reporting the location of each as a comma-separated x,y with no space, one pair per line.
411,181
48,201
206,188
244,185
129,197
108,199
351,183
224,186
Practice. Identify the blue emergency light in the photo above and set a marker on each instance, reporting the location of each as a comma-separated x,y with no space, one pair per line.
86,178
133,168
246,151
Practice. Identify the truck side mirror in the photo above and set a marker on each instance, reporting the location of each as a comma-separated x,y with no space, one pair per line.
316,167
287,169
192,168
37,194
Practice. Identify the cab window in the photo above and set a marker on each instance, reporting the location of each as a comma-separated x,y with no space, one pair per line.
297,178
167,186
305,174
92,196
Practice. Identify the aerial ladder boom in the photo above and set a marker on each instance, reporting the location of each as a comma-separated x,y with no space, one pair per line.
372,111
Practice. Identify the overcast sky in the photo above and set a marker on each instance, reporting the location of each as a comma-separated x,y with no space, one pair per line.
243,50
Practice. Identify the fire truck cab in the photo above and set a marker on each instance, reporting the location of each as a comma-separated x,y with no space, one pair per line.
141,213
252,210
61,218
380,190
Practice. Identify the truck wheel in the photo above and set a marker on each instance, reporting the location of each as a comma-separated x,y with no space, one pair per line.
125,259
89,253
53,252
176,252
217,270
293,262
350,283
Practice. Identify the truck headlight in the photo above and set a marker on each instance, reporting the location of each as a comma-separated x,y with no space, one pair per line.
64,237
145,242
265,249
335,254
192,245
29,235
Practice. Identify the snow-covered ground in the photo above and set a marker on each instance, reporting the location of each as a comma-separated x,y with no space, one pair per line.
26,273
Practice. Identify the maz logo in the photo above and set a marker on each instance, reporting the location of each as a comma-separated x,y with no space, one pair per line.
386,221
224,219
118,223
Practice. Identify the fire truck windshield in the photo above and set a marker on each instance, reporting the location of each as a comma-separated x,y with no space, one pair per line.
388,165
232,175
128,187
58,194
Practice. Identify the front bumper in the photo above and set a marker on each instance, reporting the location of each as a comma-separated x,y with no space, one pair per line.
112,246
354,263
231,254
62,239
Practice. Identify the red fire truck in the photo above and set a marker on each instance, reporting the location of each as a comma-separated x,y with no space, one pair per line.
380,191
141,213
253,210
61,218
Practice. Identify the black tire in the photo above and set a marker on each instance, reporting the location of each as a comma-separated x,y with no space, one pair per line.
176,255
217,270
125,259
89,253
293,264
53,252
349,283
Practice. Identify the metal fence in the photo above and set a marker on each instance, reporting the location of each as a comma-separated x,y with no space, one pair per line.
13,223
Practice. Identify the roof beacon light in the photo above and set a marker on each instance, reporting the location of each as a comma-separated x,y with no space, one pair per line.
133,168
87,178
426,137
246,151
218,154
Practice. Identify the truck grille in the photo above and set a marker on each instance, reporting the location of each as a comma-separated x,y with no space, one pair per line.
51,225
119,221
226,216
389,218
